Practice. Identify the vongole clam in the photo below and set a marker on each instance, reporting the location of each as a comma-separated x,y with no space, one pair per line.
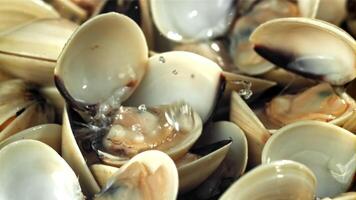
21,58
48,176
117,133
287,180
246,60
309,142
187,21
321,102
22,106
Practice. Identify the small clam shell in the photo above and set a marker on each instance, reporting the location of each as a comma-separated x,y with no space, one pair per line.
30,51
277,180
149,175
234,164
205,165
309,50
185,74
104,60
73,156
49,134
17,13
36,172
69,10
21,107
192,20
309,142
256,134
103,173
332,11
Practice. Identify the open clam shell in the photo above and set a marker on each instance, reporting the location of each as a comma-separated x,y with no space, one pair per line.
285,180
102,63
309,142
189,21
241,49
234,163
17,13
310,48
21,107
73,156
256,133
30,51
186,74
47,175
141,178
205,158
49,134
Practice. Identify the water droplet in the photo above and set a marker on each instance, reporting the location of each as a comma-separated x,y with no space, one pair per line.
180,116
246,91
175,72
142,108
161,59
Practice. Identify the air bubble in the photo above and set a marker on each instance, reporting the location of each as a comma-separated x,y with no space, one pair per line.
142,108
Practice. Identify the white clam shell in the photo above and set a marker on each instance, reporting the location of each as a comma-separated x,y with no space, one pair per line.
328,150
163,186
106,56
30,51
177,75
73,156
49,134
192,20
15,13
285,180
32,170
310,48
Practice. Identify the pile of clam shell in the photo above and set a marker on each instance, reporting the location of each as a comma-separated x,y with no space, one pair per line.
177,99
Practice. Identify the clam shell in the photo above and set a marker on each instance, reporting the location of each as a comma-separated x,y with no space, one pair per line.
47,175
161,180
17,13
49,134
69,10
309,50
73,156
204,167
192,20
30,51
104,60
234,163
332,11
309,142
186,74
256,133
277,180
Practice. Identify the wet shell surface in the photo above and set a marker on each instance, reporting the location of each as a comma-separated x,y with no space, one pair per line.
309,50
149,175
187,21
32,170
285,180
179,75
309,142
103,62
